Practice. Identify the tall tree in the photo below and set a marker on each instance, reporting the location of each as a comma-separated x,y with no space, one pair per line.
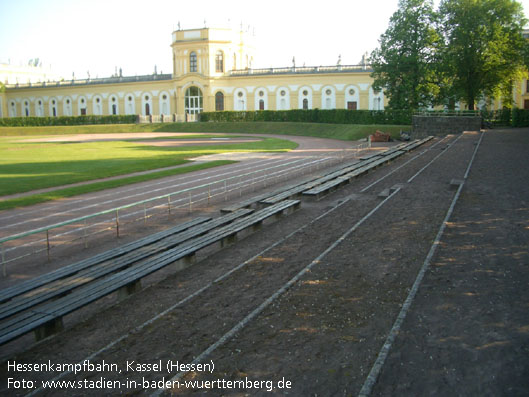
484,49
404,63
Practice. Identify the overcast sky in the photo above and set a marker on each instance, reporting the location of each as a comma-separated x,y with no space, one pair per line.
100,35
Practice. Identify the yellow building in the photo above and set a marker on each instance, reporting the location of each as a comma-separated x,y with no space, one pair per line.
212,70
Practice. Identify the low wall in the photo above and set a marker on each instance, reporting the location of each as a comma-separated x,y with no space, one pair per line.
441,125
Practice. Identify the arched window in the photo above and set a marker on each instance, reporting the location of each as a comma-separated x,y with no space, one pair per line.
282,99
97,105
239,100
328,98
40,108
193,100
12,109
113,105
146,104
67,106
130,106
53,108
26,108
219,101
164,104
81,104
261,99
219,62
193,62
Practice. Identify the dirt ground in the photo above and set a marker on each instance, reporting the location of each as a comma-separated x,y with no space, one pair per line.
304,306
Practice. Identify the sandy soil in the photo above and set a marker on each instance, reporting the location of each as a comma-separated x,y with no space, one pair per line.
467,332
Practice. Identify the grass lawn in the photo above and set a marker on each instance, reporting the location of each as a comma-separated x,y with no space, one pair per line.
347,132
98,186
321,130
26,166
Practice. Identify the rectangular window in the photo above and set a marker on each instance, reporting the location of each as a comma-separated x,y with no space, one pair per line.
351,105
526,104
193,62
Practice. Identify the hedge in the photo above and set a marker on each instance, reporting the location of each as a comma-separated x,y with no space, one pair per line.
520,117
333,116
67,120
504,117
500,117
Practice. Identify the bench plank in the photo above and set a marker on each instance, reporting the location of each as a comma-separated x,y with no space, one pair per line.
66,285
30,320
65,271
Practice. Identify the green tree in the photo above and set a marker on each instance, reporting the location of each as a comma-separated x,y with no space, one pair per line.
484,51
404,63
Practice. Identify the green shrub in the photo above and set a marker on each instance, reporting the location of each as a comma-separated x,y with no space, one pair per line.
66,120
520,117
330,116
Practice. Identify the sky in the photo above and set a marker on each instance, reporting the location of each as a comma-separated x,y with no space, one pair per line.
98,36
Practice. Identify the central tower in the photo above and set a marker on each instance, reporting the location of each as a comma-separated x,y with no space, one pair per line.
211,52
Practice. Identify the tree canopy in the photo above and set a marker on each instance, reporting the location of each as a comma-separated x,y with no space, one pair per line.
468,50
402,65
484,49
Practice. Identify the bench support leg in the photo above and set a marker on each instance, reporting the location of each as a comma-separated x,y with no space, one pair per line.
228,240
184,262
257,226
50,328
129,289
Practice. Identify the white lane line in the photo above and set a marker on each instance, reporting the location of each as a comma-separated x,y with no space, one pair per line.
183,199
406,163
384,351
181,180
228,335
143,192
435,158
194,294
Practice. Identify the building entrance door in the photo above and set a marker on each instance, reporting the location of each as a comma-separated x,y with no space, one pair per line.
193,100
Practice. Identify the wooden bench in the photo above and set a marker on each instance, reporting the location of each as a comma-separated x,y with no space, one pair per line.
47,318
323,186
370,156
320,191
21,288
66,285
416,143
300,189
279,194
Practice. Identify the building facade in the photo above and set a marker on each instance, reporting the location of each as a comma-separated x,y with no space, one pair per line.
212,71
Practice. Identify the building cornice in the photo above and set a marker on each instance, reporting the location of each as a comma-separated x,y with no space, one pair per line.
86,82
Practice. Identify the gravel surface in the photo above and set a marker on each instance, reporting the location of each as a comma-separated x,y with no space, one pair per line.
315,294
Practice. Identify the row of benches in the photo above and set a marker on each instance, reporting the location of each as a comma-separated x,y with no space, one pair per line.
40,304
317,187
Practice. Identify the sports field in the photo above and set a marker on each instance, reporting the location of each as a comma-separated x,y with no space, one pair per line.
408,280
55,161
36,158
